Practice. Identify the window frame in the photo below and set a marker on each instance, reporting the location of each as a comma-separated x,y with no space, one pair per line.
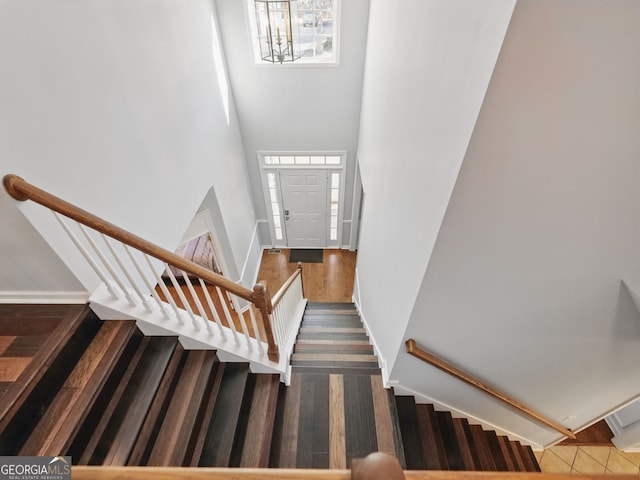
254,48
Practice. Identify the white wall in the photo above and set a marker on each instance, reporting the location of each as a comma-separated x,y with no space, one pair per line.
523,288
28,263
428,64
296,108
115,106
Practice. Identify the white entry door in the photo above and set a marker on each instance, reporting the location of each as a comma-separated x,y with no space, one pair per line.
304,204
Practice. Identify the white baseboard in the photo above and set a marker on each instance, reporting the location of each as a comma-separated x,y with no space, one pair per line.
381,362
44,297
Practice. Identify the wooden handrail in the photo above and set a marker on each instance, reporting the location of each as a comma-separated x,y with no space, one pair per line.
21,190
431,359
205,473
277,297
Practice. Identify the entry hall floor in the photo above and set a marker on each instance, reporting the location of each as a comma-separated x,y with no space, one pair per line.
329,281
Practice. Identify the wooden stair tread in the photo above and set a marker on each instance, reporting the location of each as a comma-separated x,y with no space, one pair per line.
124,411
434,454
332,336
331,318
332,330
329,348
319,341
285,436
466,445
17,392
515,448
153,420
145,382
330,306
496,452
328,357
218,444
257,444
532,461
482,448
57,427
508,453
411,438
89,436
172,440
450,440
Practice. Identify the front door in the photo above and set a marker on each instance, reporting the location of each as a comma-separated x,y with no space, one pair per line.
304,204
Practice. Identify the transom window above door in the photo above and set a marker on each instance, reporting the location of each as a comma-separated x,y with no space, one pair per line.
302,160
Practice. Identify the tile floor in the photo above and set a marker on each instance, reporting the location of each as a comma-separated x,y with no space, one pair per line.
588,460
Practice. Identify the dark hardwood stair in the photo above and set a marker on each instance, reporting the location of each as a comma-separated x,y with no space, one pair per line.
107,395
111,396
332,348
332,339
434,440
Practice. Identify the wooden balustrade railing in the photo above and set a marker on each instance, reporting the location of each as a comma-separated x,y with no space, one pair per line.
413,349
279,295
21,190
178,473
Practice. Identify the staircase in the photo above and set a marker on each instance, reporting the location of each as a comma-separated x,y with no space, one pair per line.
108,395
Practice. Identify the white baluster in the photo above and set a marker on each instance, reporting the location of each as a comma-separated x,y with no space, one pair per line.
227,315
96,268
185,304
107,265
148,284
245,330
126,272
198,303
276,324
212,307
255,328
165,290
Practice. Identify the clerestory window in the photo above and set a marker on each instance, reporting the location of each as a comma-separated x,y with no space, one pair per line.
294,32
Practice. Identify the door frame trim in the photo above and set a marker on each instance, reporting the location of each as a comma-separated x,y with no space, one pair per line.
265,168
